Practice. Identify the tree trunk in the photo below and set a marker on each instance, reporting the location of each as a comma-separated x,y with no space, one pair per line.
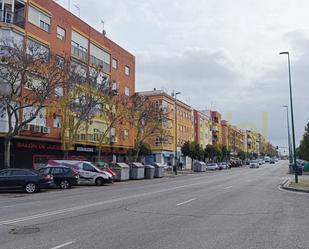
66,155
99,154
7,152
136,155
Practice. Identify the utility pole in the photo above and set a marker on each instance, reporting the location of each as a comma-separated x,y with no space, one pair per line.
292,116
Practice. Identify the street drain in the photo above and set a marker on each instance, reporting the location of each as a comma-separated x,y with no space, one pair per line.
24,230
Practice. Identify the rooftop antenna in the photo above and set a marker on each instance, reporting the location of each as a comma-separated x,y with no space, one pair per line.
78,9
103,27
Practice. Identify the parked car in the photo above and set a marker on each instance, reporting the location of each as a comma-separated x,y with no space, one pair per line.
28,180
254,164
272,161
105,167
88,173
212,166
267,159
260,161
223,165
64,177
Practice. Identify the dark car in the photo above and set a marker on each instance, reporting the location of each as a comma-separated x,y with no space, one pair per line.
64,177
26,179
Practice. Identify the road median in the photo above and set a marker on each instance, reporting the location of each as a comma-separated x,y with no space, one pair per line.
301,186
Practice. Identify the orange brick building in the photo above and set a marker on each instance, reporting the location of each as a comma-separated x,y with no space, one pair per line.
60,32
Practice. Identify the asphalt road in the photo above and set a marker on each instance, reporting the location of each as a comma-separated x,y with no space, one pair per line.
238,209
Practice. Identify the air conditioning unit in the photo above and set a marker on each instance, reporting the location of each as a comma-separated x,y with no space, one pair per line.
25,127
45,130
36,129
114,139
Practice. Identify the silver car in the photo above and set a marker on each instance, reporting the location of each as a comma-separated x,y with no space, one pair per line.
212,166
254,164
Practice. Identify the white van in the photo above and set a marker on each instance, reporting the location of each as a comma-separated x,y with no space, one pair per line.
88,173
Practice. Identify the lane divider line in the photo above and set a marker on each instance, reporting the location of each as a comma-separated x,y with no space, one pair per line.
185,202
63,245
228,187
77,208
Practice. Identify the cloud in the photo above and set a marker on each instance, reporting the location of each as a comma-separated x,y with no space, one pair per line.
223,54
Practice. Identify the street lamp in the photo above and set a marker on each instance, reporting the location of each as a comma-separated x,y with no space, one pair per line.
289,135
292,115
176,158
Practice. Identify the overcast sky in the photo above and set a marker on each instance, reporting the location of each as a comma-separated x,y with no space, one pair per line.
221,54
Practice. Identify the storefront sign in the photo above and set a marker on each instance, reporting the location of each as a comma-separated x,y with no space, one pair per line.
37,146
84,149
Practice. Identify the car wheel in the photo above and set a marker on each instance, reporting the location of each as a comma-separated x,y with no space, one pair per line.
99,181
65,184
31,188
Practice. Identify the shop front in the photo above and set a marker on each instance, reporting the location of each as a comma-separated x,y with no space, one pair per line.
34,154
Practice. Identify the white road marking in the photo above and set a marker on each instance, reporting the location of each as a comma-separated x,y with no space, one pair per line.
185,202
228,187
77,208
63,245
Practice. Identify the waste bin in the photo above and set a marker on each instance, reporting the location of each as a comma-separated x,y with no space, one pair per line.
199,167
137,171
306,167
299,169
159,170
122,171
149,171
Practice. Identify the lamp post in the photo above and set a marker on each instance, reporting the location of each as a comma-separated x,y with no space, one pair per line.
292,116
289,135
175,100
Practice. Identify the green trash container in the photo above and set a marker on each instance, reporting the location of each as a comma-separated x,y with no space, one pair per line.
306,167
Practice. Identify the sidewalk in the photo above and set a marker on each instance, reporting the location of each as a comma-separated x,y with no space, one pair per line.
301,186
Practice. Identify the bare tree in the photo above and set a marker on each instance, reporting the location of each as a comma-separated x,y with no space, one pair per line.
29,75
114,111
147,119
83,101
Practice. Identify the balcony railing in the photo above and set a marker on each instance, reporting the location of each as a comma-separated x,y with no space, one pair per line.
79,53
16,17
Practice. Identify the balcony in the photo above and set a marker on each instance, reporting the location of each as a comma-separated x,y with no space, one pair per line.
17,17
79,53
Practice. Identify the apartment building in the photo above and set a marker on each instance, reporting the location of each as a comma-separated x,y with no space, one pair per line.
202,128
162,144
177,127
216,118
56,30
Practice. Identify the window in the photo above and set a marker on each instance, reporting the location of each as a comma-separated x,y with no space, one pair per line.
45,26
4,173
57,122
18,173
127,70
59,61
79,46
114,63
126,134
127,91
60,33
59,91
37,50
88,167
158,141
78,69
39,120
39,19
99,57
57,171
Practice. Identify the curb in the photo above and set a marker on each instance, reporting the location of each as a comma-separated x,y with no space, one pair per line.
285,185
